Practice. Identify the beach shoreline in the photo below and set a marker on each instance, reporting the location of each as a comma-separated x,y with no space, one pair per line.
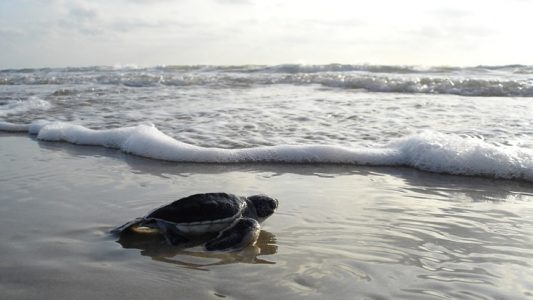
340,231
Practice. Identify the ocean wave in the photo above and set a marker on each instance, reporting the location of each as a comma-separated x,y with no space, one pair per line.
298,68
11,107
423,85
391,69
284,68
427,151
412,85
381,79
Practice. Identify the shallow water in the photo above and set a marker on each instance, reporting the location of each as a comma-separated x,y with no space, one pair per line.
341,232
247,106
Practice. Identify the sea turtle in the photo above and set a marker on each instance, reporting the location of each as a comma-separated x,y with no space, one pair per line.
236,220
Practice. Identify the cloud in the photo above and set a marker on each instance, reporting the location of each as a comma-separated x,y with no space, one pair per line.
81,32
451,31
82,12
151,2
10,32
83,19
136,24
234,1
448,12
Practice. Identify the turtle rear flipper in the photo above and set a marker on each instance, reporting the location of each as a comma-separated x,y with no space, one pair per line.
171,233
243,233
122,228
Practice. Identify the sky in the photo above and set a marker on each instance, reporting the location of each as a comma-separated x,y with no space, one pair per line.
60,33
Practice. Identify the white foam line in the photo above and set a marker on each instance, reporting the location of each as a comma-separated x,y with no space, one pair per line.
429,151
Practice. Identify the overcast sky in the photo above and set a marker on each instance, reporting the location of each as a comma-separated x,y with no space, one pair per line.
39,33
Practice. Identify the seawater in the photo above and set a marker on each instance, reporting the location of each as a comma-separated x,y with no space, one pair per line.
468,121
341,232
298,133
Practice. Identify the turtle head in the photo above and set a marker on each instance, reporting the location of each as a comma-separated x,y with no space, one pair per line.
264,206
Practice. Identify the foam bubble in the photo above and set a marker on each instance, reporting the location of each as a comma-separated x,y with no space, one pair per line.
428,151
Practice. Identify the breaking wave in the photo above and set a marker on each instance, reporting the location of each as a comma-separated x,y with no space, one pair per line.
11,107
427,151
498,81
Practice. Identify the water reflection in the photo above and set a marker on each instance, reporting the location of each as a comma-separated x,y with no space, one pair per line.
438,186
192,255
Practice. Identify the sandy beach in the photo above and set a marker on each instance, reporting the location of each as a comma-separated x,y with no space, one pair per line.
341,232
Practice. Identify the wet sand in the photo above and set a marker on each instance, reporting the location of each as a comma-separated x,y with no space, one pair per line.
341,232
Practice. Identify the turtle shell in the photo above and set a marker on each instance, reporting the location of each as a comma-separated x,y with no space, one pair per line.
201,213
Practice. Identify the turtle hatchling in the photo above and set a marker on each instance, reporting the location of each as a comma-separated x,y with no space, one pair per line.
236,219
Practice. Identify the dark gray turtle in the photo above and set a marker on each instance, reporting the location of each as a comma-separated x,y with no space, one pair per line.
236,219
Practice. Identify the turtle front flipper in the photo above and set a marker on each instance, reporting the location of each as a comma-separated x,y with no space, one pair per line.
243,233
171,233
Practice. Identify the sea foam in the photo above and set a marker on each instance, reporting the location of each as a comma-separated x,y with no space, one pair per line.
12,107
428,151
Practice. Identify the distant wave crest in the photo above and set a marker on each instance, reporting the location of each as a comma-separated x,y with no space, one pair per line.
498,81
284,68
428,151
